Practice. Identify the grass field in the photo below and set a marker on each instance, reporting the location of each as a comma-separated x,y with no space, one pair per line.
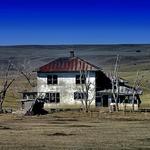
75,130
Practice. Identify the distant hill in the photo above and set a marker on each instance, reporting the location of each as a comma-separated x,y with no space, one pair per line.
131,56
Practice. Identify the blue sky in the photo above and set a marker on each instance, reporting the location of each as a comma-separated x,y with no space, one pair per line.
74,22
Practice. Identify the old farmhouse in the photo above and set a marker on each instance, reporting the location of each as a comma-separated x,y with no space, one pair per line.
64,81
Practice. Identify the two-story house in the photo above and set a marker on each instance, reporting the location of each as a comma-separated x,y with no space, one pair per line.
62,81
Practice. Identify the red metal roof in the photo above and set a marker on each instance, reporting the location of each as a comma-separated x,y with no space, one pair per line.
68,64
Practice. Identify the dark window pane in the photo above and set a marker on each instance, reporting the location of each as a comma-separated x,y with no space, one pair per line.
23,105
24,96
47,97
54,79
75,95
121,83
52,97
80,79
77,79
49,79
57,97
79,95
83,79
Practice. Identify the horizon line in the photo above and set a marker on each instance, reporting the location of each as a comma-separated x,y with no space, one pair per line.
76,44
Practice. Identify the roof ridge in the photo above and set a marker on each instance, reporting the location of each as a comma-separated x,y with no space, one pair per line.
68,64
89,63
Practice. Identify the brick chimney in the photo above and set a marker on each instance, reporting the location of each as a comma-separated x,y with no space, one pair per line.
72,53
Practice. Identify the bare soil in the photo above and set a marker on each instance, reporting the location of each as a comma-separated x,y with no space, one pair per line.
75,130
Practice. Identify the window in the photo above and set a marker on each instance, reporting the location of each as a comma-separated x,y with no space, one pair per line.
80,79
23,105
29,95
121,83
52,97
79,95
52,79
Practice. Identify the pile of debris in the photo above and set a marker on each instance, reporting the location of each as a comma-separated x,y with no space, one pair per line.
36,108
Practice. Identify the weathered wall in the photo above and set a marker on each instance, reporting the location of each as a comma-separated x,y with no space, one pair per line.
66,87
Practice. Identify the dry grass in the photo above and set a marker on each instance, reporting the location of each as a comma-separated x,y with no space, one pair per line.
145,84
74,130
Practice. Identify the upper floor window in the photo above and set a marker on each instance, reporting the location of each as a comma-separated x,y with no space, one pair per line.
80,79
52,79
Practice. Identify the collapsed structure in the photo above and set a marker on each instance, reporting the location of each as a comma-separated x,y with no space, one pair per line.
128,97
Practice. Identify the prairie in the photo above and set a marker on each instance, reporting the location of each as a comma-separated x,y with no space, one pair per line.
74,129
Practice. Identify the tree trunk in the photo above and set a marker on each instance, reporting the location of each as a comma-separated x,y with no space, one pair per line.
133,101
1,108
86,106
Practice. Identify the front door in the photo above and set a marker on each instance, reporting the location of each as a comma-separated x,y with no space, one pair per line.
105,100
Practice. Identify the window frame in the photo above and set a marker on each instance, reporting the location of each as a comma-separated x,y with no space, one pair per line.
52,79
80,95
52,97
80,79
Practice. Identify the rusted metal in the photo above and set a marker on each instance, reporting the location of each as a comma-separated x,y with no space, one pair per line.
68,64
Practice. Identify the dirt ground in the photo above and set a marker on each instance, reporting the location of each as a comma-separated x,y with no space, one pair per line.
74,130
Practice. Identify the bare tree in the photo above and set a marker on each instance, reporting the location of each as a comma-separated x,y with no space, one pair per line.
9,74
135,88
25,70
25,77
115,83
7,82
87,90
